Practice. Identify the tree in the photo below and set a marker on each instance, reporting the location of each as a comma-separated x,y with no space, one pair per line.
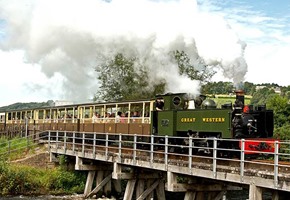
124,78
218,88
186,68
249,88
120,79
281,110
260,96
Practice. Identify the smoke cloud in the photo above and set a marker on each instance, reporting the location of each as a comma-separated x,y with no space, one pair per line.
67,37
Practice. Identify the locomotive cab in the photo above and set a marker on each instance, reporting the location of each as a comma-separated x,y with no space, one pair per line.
168,103
171,101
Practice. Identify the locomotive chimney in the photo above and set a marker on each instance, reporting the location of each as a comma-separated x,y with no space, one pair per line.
240,96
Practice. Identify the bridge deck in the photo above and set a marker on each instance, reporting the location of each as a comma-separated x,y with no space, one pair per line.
271,173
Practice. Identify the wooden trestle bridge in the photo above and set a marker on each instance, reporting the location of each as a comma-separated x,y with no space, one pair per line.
151,168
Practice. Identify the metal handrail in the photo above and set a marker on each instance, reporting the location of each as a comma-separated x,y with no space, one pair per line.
10,145
154,150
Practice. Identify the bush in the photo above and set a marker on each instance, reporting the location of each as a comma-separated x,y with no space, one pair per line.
15,180
61,181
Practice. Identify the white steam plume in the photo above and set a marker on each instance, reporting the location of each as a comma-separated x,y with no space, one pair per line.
66,37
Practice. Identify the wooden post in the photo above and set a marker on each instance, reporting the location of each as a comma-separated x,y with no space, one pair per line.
160,191
140,187
275,195
129,189
108,186
148,184
99,178
189,195
89,183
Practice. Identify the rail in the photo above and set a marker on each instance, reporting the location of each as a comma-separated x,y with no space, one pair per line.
162,153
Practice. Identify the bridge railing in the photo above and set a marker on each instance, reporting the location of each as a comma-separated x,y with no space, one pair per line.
243,157
13,148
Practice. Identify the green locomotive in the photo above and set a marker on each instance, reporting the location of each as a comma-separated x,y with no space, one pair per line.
177,115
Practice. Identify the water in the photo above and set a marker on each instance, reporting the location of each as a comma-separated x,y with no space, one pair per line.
43,197
231,195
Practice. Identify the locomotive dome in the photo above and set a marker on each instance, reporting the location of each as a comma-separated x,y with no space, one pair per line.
208,104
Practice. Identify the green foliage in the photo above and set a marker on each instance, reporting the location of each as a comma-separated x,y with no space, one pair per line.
249,88
202,74
224,99
62,181
16,179
281,110
218,88
19,179
14,148
260,96
123,79
283,132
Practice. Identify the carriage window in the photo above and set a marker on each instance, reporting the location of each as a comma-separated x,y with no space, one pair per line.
40,114
9,116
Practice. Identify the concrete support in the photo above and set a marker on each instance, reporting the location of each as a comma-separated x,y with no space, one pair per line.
52,157
79,162
255,192
171,181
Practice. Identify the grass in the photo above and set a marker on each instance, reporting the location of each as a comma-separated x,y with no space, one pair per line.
223,99
17,147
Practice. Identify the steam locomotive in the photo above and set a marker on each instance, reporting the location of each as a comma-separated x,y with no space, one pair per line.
176,115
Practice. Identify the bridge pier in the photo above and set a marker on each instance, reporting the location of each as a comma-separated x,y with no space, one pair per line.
198,189
101,174
137,180
256,193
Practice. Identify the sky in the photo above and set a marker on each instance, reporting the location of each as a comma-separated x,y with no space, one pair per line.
49,48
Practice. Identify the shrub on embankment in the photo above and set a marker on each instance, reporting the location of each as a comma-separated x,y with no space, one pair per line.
18,179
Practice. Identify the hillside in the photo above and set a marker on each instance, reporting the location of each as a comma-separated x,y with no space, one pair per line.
29,105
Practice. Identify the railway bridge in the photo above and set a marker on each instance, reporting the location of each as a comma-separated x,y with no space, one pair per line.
150,168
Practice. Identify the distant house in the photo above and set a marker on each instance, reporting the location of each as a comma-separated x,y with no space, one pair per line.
259,87
63,102
277,90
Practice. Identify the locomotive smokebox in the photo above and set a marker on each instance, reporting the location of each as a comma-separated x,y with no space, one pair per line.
240,96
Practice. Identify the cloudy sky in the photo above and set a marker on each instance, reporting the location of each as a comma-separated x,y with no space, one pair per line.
49,48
